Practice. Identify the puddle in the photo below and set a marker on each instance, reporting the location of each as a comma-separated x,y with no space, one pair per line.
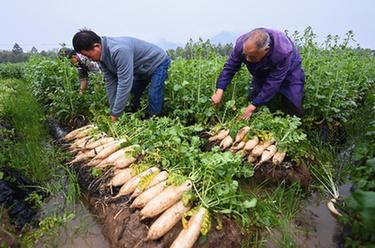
83,231
322,229
315,226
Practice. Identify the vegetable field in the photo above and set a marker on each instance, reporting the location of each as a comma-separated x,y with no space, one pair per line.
199,176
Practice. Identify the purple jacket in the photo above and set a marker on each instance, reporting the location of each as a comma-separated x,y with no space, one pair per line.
279,71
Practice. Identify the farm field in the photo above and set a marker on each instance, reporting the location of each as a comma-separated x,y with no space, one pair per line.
272,181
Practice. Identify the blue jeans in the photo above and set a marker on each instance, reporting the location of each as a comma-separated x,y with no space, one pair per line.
156,91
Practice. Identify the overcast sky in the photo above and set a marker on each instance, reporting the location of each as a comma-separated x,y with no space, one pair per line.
46,23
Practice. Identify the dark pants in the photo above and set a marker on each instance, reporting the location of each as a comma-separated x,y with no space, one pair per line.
286,105
155,92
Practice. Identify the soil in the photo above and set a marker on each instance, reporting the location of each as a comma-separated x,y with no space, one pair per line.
290,172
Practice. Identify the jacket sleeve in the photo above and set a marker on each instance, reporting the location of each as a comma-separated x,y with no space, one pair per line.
231,67
90,65
111,85
273,82
123,59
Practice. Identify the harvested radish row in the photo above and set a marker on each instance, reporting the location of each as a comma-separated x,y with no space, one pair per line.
237,147
99,142
123,162
241,134
148,195
70,136
132,184
78,143
121,177
164,200
111,158
259,149
188,236
167,220
278,158
114,156
90,153
113,147
162,176
267,154
84,132
226,142
250,144
220,135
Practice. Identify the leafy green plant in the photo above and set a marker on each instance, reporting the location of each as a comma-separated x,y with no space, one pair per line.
10,70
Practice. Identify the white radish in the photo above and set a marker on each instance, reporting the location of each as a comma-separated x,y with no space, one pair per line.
332,208
148,195
113,147
110,159
78,143
267,154
121,177
114,156
89,154
84,132
124,162
162,176
241,134
278,158
259,149
132,184
72,134
164,200
220,135
167,220
226,142
99,142
237,147
188,236
250,144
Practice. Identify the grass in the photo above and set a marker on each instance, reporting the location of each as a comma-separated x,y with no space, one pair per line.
29,149
28,152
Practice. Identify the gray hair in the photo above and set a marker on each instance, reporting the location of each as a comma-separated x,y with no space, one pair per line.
260,37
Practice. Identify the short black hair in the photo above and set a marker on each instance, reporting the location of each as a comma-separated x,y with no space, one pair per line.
85,40
66,53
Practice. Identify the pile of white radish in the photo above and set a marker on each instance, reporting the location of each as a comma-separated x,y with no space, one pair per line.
155,198
256,151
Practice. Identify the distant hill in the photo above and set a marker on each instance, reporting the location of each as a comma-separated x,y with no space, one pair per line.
166,44
224,38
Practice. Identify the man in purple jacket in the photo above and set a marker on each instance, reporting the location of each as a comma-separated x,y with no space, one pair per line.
275,64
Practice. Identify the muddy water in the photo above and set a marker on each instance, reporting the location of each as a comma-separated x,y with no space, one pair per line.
315,226
82,231
326,230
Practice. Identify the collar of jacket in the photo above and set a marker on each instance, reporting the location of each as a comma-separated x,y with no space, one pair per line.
105,50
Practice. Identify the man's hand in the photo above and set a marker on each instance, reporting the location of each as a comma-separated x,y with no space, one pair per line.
216,98
83,86
248,112
114,118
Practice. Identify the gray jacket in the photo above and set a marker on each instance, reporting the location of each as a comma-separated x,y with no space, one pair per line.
121,59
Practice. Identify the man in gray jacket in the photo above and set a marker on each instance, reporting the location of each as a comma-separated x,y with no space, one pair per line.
128,64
